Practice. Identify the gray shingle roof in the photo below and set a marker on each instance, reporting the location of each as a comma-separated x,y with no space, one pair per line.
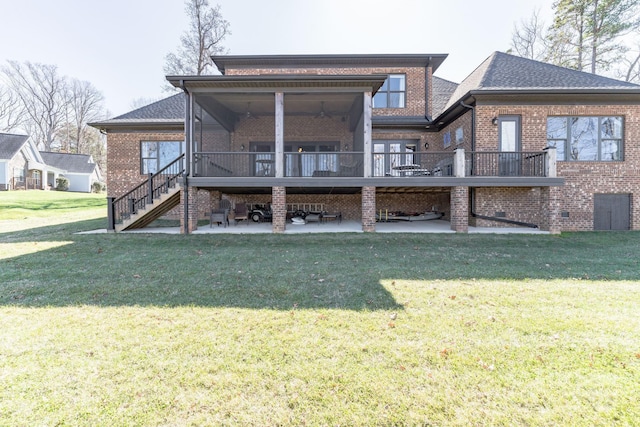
509,73
169,108
74,163
10,144
442,90
168,111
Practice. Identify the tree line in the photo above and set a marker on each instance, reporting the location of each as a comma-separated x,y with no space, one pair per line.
596,36
53,109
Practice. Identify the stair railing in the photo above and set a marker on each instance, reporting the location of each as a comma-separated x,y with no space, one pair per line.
121,208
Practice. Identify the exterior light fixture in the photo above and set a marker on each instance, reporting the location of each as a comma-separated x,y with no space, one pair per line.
242,147
494,121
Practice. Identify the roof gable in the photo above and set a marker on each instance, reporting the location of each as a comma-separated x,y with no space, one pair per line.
10,144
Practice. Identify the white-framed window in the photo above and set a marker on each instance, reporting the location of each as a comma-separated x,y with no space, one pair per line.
586,138
392,94
154,155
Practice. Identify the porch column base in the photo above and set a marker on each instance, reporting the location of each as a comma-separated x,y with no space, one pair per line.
279,209
460,209
368,209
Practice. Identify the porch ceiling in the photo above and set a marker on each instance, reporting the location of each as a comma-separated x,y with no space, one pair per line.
241,104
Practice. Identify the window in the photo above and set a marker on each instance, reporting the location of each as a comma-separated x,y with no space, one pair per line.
392,93
154,155
18,174
586,138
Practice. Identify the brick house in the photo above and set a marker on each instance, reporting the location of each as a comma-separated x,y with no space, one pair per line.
518,142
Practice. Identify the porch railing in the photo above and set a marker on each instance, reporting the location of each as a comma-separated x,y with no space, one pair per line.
121,208
458,163
393,163
487,163
296,164
324,164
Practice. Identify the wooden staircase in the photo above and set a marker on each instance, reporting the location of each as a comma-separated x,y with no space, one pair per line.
149,200
151,212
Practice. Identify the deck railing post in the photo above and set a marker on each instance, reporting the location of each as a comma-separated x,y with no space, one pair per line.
458,163
150,183
111,220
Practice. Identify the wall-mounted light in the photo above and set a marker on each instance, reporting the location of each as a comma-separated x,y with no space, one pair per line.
346,147
494,121
242,147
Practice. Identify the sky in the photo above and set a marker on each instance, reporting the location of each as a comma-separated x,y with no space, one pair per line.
120,45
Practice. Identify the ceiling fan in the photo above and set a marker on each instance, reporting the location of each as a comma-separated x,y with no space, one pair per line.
249,114
322,114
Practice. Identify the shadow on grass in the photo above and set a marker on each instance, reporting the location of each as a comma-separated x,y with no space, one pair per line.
282,272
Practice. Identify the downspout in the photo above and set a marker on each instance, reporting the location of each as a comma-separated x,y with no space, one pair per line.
472,190
426,90
187,154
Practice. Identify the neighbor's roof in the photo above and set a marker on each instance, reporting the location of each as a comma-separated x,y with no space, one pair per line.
505,73
327,61
168,111
10,144
74,163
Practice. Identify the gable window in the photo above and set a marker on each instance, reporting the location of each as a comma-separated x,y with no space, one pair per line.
154,155
392,93
586,138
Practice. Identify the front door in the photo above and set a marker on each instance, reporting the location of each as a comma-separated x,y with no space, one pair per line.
509,145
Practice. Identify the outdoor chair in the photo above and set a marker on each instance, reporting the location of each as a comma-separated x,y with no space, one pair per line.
241,213
221,215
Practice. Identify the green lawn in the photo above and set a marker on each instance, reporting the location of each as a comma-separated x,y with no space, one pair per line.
344,329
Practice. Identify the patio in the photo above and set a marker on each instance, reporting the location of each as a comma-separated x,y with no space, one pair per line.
435,226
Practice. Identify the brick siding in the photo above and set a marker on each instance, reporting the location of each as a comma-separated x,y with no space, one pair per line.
582,179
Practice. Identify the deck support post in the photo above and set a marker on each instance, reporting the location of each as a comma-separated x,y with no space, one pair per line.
460,209
279,209
188,210
368,209
551,210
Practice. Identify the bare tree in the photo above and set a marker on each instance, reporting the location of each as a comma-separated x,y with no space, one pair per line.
207,29
86,104
42,93
10,110
529,38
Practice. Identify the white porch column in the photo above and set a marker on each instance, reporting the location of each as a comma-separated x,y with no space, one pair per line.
551,162
44,178
279,135
459,163
368,146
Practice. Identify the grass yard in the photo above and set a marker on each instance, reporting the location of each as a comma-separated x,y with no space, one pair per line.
344,329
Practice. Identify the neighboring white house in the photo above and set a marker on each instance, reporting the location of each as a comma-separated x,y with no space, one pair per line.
22,166
79,169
